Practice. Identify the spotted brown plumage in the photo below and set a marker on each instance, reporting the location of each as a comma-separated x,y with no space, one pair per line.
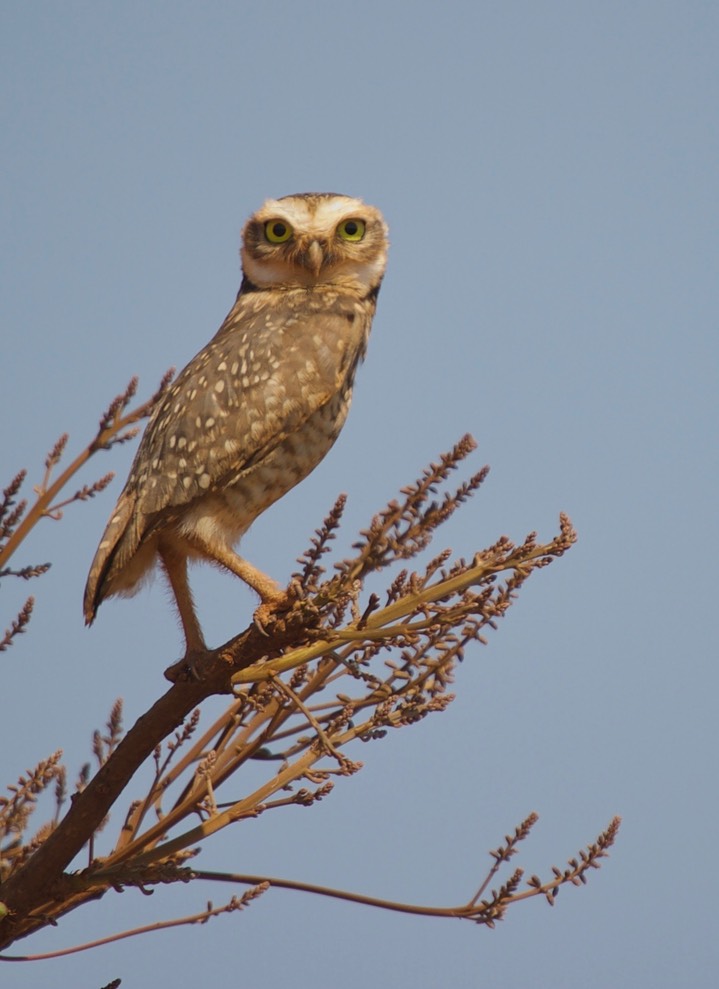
257,409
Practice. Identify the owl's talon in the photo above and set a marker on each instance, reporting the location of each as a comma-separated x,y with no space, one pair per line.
258,620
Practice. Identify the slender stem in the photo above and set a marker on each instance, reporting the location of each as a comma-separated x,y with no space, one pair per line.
378,625
47,495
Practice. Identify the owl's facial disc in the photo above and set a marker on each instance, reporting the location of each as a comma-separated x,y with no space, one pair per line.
315,239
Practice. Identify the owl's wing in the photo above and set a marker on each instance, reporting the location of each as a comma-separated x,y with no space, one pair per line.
262,376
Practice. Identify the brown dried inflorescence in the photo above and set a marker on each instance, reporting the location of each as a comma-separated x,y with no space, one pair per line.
360,653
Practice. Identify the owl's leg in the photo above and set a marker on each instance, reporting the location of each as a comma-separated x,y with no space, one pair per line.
174,564
269,590
274,598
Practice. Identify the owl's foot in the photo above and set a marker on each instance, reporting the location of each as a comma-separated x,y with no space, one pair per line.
270,610
290,609
185,669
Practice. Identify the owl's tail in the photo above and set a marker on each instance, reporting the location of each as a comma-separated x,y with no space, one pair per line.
118,543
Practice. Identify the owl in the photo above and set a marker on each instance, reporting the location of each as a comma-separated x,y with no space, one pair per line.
256,410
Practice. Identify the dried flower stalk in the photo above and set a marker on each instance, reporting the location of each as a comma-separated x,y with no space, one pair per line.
347,664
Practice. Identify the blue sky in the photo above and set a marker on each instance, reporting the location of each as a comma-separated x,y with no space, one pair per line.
548,171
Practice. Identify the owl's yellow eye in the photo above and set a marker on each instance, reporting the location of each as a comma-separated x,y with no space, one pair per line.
352,230
277,231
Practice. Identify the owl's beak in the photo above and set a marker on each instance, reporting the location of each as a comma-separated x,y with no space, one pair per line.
315,257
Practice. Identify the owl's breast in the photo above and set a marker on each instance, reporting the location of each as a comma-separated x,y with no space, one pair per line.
228,512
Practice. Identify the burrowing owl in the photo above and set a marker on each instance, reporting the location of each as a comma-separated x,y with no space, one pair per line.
257,409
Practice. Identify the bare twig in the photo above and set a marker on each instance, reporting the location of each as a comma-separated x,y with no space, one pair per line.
235,904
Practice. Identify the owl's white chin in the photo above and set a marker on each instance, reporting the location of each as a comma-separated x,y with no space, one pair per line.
362,275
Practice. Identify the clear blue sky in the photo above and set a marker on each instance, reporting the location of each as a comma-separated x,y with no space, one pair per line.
549,174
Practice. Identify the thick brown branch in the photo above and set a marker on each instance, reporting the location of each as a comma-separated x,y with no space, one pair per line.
30,893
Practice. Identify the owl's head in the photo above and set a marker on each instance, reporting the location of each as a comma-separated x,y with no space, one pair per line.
315,238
